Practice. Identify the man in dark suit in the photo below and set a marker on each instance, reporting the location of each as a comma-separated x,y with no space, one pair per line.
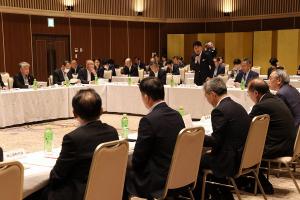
106,67
1,154
69,176
61,75
281,133
158,73
129,69
87,74
210,49
246,73
23,79
280,82
139,64
75,68
1,82
230,123
201,63
219,67
157,135
172,68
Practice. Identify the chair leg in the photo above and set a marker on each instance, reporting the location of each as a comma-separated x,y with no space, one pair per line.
259,185
235,188
269,168
292,176
191,194
203,186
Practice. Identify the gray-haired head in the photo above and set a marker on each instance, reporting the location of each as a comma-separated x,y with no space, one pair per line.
24,64
282,76
216,85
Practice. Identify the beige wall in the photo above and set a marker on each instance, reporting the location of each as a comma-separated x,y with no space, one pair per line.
262,49
175,45
288,49
259,46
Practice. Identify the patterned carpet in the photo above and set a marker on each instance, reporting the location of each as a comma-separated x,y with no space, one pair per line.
30,138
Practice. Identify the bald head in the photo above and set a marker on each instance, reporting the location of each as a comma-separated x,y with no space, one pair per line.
256,89
128,62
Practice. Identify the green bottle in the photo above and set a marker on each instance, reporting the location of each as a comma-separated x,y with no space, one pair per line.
48,140
35,84
129,80
124,124
181,111
96,79
243,84
67,83
172,82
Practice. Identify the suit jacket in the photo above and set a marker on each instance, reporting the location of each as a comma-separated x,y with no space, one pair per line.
83,76
157,135
74,71
141,66
162,76
1,82
69,176
58,77
281,133
252,75
212,52
220,71
132,72
100,71
175,70
204,69
291,98
19,81
230,123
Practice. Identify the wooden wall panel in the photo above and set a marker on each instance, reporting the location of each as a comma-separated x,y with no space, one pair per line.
188,46
245,26
2,62
136,40
101,39
275,24
219,27
40,25
40,67
152,40
297,22
119,41
81,38
17,41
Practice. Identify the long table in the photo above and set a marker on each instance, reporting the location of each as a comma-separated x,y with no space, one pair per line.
28,105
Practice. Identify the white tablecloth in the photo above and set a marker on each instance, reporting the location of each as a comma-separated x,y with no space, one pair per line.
124,79
193,101
23,106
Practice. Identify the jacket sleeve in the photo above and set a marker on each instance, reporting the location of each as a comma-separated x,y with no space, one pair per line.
65,162
218,123
256,110
143,146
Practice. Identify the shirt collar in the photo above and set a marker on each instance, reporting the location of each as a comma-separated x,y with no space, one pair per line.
156,104
261,98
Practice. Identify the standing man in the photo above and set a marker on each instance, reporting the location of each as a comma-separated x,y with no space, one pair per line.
202,64
23,79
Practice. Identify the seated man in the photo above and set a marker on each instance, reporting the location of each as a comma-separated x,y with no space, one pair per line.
1,83
280,82
129,69
281,133
230,123
139,64
171,68
219,67
246,73
1,154
88,73
298,71
61,75
106,67
23,79
157,135
75,68
69,176
156,72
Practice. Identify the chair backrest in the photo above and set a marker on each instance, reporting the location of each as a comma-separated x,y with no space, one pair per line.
224,78
187,68
11,180
226,68
50,80
118,71
5,77
107,74
10,83
256,69
107,172
141,74
176,79
255,142
296,154
182,74
186,159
